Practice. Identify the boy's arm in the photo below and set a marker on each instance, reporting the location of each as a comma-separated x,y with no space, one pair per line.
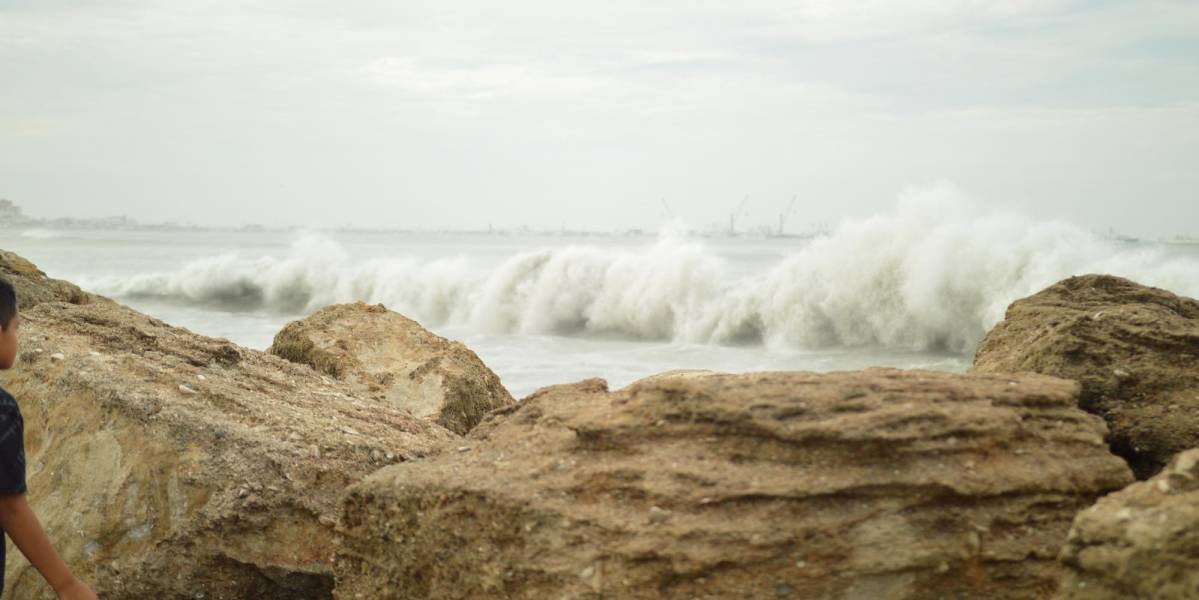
27,534
18,519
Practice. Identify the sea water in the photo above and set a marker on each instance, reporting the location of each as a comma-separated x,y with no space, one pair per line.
917,287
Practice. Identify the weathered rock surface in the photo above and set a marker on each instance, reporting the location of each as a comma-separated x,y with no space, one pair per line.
166,464
396,359
876,485
33,286
675,374
1134,349
1141,542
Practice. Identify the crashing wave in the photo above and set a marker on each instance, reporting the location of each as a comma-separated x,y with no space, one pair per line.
934,274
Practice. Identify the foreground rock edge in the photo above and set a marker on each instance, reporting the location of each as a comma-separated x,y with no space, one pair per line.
878,483
163,462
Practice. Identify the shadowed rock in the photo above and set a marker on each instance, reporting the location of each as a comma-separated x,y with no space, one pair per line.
877,484
1134,349
393,358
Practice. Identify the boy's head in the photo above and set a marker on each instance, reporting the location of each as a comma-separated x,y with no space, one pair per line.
9,321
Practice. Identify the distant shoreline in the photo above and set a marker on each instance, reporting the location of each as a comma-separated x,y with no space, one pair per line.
104,225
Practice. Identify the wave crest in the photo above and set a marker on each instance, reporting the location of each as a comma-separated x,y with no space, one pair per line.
934,274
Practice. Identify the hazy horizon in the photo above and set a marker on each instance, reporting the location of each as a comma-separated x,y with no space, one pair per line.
671,226
465,115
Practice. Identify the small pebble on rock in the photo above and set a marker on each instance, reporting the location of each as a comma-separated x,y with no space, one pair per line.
658,515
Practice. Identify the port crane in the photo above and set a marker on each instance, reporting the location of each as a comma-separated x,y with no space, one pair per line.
666,207
733,215
787,213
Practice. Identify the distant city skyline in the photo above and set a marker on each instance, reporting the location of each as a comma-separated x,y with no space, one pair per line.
585,115
779,228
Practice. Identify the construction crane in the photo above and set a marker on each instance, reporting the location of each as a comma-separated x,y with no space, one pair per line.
787,213
733,216
666,207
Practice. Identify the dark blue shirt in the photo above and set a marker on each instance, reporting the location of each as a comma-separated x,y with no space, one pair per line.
12,456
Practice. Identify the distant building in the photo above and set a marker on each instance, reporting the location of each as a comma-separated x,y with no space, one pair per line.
11,213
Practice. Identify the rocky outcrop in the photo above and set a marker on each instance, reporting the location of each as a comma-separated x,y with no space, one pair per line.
877,484
166,464
33,286
1142,542
393,358
1134,349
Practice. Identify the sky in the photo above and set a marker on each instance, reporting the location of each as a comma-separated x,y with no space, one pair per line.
598,115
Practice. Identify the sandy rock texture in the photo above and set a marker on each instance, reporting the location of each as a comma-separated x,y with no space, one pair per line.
1141,542
872,485
1134,349
171,465
393,358
33,286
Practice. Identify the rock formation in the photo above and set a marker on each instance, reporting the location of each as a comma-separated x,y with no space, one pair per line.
1141,542
33,286
166,464
878,484
396,359
675,374
1134,349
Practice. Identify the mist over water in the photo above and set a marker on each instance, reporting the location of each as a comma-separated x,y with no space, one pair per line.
932,275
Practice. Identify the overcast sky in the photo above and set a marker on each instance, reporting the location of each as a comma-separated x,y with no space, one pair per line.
461,114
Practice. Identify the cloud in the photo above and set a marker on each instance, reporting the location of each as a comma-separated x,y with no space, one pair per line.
571,108
412,77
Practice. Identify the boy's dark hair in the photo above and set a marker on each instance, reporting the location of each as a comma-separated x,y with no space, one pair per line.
8,303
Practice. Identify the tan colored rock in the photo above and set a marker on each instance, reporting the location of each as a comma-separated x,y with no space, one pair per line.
396,359
33,286
1134,349
166,464
1140,542
878,485
675,374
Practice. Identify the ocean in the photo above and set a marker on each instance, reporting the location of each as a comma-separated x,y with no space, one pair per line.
914,288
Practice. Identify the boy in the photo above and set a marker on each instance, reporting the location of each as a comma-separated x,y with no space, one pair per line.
16,518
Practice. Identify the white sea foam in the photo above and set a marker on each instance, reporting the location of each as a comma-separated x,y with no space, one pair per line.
935,273
42,234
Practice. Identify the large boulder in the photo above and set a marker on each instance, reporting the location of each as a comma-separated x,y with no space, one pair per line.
33,286
1141,542
166,464
1134,349
878,484
395,359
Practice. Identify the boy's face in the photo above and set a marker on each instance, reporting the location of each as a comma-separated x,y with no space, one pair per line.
8,343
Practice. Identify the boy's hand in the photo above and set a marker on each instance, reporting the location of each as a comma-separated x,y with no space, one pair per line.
76,590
